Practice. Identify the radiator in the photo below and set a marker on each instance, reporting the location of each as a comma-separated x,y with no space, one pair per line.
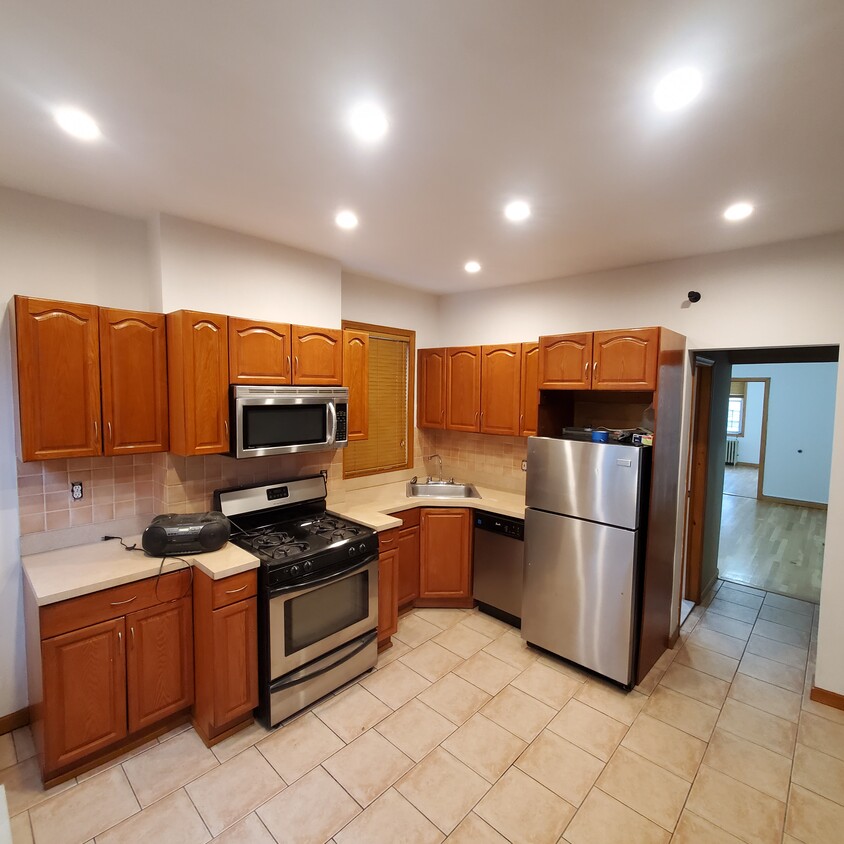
732,451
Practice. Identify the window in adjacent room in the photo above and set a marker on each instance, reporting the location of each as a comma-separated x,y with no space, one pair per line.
736,408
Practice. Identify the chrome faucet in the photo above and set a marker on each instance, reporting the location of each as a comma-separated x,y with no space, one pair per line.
431,457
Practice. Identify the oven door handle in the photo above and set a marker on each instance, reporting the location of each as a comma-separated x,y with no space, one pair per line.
301,585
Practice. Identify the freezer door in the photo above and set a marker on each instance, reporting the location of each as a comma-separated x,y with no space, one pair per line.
596,481
579,592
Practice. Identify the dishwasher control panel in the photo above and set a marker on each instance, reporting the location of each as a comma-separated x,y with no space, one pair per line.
500,524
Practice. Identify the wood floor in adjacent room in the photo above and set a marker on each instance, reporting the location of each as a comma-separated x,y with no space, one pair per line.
775,547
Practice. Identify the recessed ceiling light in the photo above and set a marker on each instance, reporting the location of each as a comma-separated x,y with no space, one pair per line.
472,267
77,123
678,88
368,122
347,220
738,211
517,210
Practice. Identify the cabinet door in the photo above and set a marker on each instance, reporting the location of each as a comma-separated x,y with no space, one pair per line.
445,569
198,369
529,404
356,378
565,362
408,576
133,356
259,352
159,662
58,356
317,355
430,392
463,388
625,360
500,389
235,635
388,595
84,692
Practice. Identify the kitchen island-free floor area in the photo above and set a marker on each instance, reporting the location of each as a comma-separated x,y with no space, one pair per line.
464,733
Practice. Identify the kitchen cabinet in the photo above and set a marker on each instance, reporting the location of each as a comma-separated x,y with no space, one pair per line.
408,562
259,352
565,362
356,378
463,388
445,565
431,388
388,595
529,387
500,383
225,619
317,355
198,380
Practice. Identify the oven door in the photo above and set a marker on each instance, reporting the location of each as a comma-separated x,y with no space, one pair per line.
307,620
274,425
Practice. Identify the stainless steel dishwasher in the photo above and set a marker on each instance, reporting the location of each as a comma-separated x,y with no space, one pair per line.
499,563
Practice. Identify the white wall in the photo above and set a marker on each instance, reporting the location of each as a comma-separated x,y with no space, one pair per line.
801,407
751,443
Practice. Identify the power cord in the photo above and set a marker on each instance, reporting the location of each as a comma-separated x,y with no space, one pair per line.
164,558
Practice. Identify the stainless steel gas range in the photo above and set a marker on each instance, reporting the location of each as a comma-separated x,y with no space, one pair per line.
318,591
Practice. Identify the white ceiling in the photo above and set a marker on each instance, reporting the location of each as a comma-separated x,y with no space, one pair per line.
232,112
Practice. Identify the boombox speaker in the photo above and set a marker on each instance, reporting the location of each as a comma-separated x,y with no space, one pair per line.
194,533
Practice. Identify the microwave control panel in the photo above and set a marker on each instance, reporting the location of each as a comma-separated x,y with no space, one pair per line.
342,413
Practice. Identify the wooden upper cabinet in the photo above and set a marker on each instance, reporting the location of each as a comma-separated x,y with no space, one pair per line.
198,366
58,358
133,355
625,360
356,378
500,389
565,362
430,390
259,352
317,355
529,400
445,569
463,388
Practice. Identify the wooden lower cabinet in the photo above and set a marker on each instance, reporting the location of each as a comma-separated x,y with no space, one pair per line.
388,603
408,546
445,570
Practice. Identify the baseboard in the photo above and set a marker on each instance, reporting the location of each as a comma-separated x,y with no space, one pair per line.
772,499
14,720
747,465
833,699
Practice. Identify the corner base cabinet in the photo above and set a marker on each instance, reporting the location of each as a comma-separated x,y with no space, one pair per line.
445,542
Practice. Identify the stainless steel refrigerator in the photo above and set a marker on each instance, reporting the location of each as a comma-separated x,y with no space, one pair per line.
584,547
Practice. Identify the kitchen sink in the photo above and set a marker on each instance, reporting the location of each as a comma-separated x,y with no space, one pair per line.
440,489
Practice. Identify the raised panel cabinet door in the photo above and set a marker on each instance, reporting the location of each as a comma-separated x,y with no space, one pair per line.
198,379
159,662
445,569
565,362
463,388
500,389
317,355
259,352
625,360
388,596
58,358
133,357
356,378
235,636
84,676
430,390
408,565
529,407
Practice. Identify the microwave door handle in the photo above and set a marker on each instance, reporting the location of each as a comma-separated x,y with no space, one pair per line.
332,437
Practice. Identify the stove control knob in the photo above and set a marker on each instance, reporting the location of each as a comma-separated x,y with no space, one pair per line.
293,571
306,567
352,551
362,548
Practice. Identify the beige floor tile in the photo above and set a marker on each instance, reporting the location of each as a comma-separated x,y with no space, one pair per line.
299,746
176,731
695,830
85,810
783,602
416,729
796,620
772,672
813,819
521,714
172,818
431,660
513,650
822,710
413,631
712,640
485,747
749,763
589,729
696,684
21,829
777,651
388,820
397,649
368,766
169,766
691,716
474,830
651,681
443,789
757,726
463,640
486,672
313,809
522,810
728,626
24,788
727,593
547,685
454,698
612,701
248,831
24,745
819,772
602,819
741,587
737,808
352,712
567,668
822,735
561,766
733,610
7,751
240,741
765,696
709,662
672,749
395,685
441,617
233,790
646,788
486,624
781,633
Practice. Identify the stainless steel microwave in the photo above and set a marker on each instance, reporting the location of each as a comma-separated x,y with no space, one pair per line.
287,420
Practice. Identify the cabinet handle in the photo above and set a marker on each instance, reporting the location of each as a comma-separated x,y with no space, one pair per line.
296,364
288,364
96,429
132,631
120,639
521,421
127,601
594,368
586,367
442,415
226,427
109,431
235,591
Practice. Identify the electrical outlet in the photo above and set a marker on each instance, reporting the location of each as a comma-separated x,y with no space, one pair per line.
524,465
324,473
76,490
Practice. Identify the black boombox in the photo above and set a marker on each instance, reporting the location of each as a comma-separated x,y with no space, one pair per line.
174,534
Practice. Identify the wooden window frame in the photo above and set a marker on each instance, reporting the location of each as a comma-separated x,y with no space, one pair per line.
743,397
